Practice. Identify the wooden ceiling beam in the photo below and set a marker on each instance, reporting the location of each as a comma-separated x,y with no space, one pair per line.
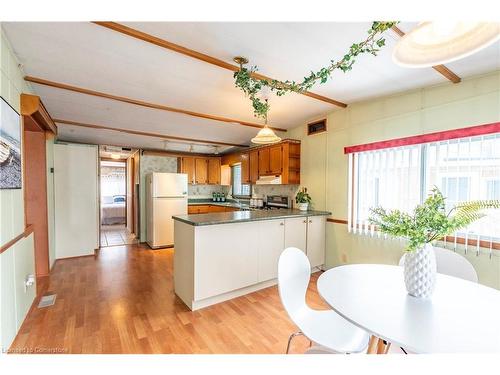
441,69
147,134
161,107
198,55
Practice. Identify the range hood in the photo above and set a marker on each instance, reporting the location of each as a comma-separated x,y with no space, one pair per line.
269,180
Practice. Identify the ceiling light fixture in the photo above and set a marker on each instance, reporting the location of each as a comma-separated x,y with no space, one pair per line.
265,135
216,150
436,43
191,148
115,156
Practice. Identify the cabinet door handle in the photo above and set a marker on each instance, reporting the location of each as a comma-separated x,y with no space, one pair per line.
305,221
310,221
282,223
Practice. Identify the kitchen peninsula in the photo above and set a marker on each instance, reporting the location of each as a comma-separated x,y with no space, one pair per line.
223,255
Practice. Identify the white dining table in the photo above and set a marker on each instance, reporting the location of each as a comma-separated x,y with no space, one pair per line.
460,317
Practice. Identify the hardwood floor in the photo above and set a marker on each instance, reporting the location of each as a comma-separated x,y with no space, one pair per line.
122,301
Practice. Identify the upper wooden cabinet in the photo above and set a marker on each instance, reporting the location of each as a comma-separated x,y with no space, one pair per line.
271,160
253,159
281,159
201,170
245,168
186,165
275,159
264,169
214,171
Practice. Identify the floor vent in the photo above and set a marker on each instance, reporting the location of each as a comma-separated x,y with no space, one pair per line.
48,300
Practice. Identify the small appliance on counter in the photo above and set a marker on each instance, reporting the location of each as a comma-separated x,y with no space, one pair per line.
278,201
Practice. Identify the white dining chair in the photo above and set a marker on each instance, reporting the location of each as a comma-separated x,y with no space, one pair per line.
452,264
323,327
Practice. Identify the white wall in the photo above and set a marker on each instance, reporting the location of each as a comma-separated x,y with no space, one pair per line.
324,166
18,260
76,199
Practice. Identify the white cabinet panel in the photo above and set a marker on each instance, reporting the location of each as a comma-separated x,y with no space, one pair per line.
8,322
271,245
316,238
76,200
296,232
225,258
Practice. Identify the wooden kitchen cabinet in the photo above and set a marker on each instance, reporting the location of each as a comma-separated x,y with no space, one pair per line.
201,170
264,168
214,208
275,159
187,166
214,171
199,209
253,158
245,168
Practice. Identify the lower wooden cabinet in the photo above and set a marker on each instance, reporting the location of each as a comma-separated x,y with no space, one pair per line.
206,208
199,209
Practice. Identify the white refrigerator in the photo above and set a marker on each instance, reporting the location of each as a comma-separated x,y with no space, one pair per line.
166,196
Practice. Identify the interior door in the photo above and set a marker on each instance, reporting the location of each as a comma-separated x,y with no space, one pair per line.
76,199
163,210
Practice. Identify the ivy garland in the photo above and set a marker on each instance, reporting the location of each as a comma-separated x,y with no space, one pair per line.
252,86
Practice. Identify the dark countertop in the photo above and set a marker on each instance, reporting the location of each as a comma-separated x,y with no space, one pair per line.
243,216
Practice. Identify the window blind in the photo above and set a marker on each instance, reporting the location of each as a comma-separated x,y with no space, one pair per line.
466,168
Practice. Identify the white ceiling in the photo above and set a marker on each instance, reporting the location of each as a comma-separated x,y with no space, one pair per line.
91,56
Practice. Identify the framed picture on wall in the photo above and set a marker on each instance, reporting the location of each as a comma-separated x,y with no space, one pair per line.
10,147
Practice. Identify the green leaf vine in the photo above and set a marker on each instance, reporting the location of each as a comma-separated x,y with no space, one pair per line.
251,86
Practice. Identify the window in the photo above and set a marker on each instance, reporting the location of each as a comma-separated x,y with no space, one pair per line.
239,189
401,177
493,189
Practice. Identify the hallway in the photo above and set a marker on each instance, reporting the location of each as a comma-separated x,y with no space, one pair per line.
116,235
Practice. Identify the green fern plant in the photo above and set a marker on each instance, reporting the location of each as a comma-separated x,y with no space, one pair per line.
429,221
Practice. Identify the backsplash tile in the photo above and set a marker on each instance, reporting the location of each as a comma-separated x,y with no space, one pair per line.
264,190
205,191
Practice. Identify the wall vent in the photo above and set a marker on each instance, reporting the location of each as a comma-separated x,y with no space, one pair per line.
316,127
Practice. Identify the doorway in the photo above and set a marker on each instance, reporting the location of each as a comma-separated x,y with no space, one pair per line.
113,200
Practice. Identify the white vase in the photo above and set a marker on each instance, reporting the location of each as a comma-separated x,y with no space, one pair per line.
303,206
420,271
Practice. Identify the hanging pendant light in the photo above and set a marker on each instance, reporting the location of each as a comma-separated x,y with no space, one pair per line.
436,43
265,135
